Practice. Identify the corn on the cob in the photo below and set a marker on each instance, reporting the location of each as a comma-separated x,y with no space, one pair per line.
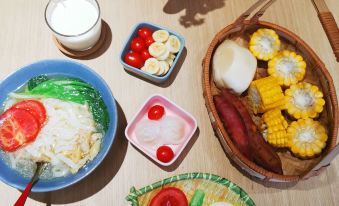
266,94
288,67
307,138
264,44
274,125
304,100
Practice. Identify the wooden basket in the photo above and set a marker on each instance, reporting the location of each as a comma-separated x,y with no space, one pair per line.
294,169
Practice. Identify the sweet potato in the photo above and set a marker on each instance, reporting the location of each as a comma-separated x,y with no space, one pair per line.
234,125
263,153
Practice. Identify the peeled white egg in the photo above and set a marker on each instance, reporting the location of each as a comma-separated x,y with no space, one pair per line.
147,131
172,130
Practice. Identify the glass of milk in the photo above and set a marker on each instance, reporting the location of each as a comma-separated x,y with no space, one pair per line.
75,23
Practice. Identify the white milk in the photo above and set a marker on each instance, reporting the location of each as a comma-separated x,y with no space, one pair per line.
73,21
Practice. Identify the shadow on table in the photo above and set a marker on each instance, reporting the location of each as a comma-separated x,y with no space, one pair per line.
173,75
100,177
194,9
181,157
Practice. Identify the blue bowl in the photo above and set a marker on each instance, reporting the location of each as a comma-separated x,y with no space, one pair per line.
65,68
139,72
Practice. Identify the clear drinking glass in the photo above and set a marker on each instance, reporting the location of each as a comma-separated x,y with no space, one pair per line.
81,41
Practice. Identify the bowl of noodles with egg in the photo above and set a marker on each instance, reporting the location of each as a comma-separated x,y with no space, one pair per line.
55,111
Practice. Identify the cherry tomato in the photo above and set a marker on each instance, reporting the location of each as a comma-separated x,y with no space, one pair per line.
165,154
17,128
134,59
145,54
145,32
156,112
34,107
137,44
169,196
148,41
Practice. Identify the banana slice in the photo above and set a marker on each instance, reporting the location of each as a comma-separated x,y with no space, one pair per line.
169,61
160,36
157,49
172,56
152,66
164,56
173,44
165,66
161,70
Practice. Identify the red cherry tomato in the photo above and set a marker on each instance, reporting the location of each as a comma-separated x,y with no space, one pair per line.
134,59
169,196
17,128
137,44
145,54
34,107
165,154
156,112
145,32
148,41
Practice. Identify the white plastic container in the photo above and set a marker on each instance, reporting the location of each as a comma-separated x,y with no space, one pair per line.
75,23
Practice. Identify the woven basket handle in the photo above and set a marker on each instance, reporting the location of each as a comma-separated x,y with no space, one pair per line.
240,20
332,31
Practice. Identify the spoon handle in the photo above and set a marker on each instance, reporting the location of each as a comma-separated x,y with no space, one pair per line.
22,199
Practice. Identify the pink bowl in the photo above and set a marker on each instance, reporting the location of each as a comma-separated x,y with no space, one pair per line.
170,109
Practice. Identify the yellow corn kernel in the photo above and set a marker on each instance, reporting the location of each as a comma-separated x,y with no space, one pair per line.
288,67
304,100
266,94
275,126
306,137
264,44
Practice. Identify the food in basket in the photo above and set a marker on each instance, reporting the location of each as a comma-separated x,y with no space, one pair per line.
221,204
169,196
261,152
288,67
307,138
233,124
59,120
264,44
252,143
198,198
233,66
266,94
304,100
274,127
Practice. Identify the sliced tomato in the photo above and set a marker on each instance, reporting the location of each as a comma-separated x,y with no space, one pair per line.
169,196
34,107
17,128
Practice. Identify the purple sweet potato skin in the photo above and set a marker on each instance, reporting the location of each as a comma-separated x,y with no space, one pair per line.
234,125
263,154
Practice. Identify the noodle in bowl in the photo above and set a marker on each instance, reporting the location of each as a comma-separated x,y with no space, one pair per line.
70,140
67,141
